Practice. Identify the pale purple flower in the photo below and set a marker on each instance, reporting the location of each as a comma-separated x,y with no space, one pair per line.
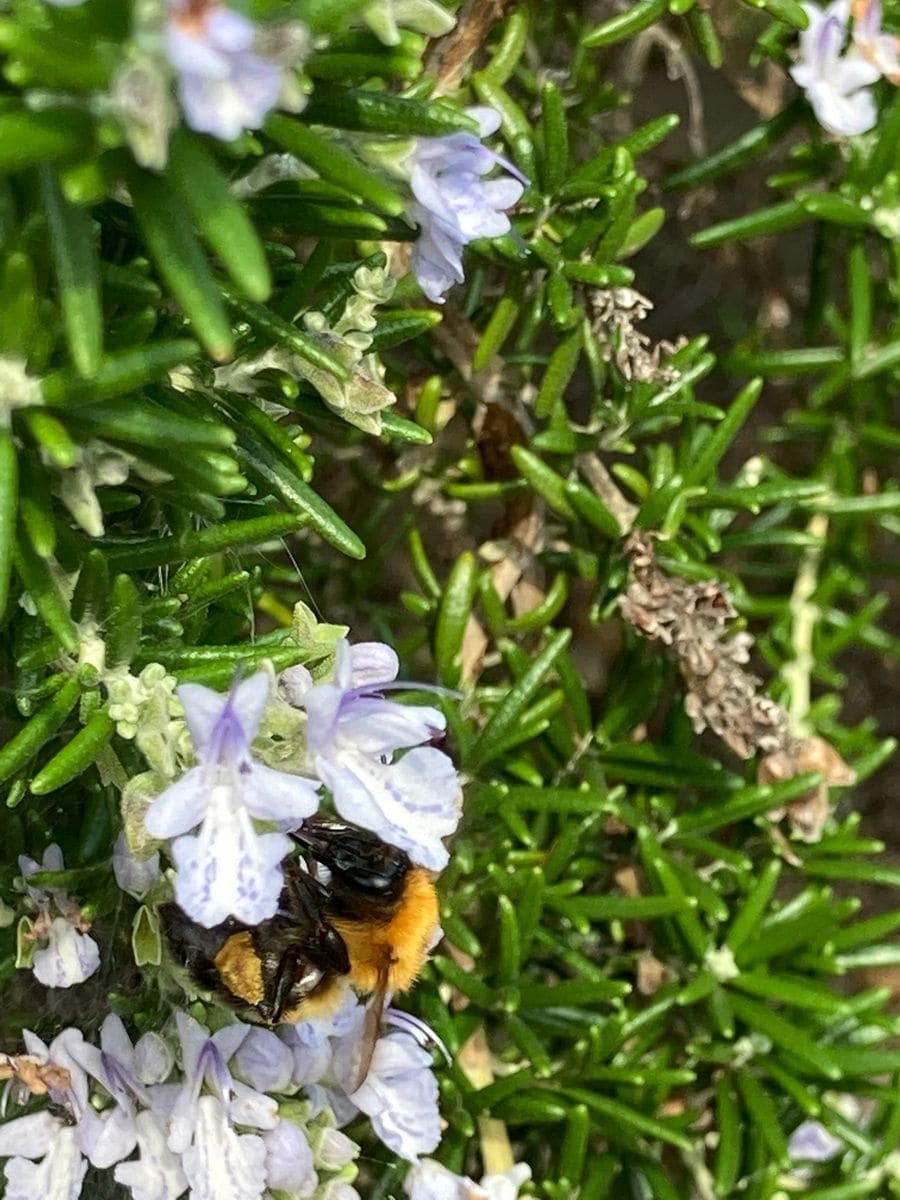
44,1151
455,204
224,86
812,1142
430,1180
353,732
136,876
205,1059
48,1164
69,958
334,1150
125,1072
220,1163
264,1061
835,84
65,3
229,869
68,955
879,48
399,1094
156,1174
289,1161
312,1042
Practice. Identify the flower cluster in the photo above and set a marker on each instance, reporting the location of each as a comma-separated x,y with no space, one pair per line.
66,953
227,814
209,1128
836,75
248,1111
454,204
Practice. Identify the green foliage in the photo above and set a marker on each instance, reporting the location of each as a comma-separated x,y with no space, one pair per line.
183,457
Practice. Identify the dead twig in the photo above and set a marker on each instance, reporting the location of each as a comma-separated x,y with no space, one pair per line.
448,57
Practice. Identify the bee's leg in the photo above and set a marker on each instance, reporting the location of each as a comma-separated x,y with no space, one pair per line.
324,945
279,984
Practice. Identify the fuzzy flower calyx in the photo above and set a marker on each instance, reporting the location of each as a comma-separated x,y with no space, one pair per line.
454,204
228,868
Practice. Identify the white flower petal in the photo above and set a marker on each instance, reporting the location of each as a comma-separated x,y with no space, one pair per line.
193,1037
343,664
506,1186
265,1061
249,702
400,1097
271,795
153,1059
412,804
181,807
111,1137
57,1177
251,1108
229,869
202,709
157,1173
221,1164
847,115
379,727
430,1180
114,1039
289,1161
488,118
852,72
373,662
69,958
29,1136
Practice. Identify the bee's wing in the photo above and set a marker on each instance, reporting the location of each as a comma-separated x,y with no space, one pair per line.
371,1029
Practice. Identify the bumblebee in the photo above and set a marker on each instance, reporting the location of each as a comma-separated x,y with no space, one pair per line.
369,926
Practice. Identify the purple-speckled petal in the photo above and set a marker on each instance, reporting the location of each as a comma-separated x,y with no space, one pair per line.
400,1097
229,869
412,804
69,958
221,1164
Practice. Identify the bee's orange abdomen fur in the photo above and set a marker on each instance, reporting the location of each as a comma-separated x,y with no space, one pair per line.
324,1001
399,943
